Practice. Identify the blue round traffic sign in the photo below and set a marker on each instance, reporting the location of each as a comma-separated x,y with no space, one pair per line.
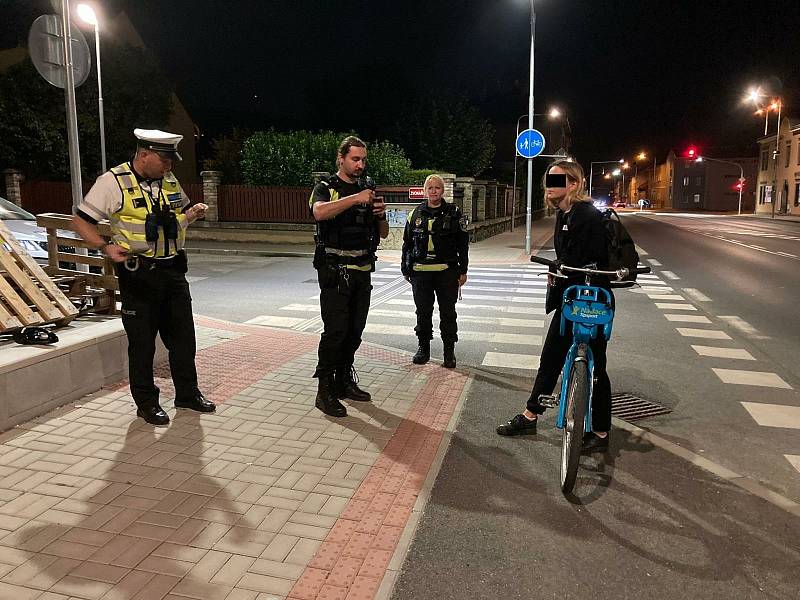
530,143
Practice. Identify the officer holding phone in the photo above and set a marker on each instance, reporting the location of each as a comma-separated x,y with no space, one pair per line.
149,212
350,220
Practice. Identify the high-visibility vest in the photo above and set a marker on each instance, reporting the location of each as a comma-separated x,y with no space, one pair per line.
127,224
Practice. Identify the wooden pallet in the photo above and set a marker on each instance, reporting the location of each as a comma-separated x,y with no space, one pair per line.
27,294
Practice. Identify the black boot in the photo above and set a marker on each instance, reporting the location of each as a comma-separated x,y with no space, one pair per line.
347,386
326,400
423,354
449,355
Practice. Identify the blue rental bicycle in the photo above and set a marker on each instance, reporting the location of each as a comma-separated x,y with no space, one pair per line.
590,310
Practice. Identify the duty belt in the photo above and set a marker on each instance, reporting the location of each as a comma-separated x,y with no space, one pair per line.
350,253
134,262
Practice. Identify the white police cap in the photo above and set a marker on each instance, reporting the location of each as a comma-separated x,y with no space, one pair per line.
159,141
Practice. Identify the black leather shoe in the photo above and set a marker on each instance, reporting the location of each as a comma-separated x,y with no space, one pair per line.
594,443
423,354
326,400
519,425
198,403
347,386
449,356
154,415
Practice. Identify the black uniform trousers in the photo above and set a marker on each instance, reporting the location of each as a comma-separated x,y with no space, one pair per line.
554,352
444,284
157,300
344,303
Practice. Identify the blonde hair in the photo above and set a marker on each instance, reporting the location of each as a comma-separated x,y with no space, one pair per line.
575,175
433,176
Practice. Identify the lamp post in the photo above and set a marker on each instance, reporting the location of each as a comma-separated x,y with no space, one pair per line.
529,198
553,114
87,15
728,162
600,162
755,95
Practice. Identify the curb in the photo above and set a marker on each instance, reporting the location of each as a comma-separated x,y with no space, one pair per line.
237,252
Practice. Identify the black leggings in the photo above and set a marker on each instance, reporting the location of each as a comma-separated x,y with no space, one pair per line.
554,352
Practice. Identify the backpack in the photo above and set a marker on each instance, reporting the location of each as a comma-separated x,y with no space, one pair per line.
621,249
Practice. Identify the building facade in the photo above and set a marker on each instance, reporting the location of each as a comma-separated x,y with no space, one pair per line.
778,189
709,185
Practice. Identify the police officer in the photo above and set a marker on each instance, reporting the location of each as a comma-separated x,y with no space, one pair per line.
350,221
149,213
435,260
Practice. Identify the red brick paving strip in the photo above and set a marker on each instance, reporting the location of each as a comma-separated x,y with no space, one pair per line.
351,562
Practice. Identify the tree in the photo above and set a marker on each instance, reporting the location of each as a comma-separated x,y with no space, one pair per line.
275,158
227,155
448,133
33,129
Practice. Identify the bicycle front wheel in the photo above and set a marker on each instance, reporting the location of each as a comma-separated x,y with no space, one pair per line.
572,437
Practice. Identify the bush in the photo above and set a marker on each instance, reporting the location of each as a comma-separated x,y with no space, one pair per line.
274,158
418,176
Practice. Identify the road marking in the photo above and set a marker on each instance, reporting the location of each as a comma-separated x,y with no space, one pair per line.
711,334
496,289
540,283
716,352
653,296
669,275
481,336
194,279
529,362
786,254
670,306
794,460
275,321
641,251
738,243
696,295
654,262
518,299
774,415
687,318
465,305
759,378
744,327
495,321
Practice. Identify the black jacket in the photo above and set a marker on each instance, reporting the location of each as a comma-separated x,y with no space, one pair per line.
450,238
579,240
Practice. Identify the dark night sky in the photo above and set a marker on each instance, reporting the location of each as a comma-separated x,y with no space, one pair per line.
631,74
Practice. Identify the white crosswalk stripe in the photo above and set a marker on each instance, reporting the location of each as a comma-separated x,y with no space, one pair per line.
687,318
774,415
523,339
716,352
757,378
528,362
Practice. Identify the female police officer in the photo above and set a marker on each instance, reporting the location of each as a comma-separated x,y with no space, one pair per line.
435,259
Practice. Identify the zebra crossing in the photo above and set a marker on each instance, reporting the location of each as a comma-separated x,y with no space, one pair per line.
502,309
721,350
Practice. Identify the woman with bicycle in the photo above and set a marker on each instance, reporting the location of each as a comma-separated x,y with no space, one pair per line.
579,240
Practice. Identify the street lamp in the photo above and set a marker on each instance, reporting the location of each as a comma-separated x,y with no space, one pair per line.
600,162
755,95
87,15
728,162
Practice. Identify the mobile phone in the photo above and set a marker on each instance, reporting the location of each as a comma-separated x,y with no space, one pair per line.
555,180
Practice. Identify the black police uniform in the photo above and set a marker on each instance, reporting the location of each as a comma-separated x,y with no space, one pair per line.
344,259
435,254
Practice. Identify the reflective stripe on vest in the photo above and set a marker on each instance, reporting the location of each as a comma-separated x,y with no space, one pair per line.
127,224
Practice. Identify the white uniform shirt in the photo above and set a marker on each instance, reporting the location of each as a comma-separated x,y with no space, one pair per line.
105,197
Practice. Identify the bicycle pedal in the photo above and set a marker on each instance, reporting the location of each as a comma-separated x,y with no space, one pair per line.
548,401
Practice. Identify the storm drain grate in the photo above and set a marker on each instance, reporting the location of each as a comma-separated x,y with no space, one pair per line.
632,408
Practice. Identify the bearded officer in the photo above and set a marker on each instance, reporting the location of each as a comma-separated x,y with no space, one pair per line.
149,212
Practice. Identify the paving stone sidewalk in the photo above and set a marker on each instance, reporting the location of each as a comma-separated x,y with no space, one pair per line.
266,499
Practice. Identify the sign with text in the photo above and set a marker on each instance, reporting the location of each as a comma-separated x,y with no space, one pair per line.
416,193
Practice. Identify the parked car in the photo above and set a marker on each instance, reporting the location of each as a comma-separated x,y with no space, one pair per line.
619,204
30,236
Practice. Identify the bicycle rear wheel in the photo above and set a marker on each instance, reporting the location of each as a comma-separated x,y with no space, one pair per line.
572,436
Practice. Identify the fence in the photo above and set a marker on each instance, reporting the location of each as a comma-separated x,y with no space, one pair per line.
247,204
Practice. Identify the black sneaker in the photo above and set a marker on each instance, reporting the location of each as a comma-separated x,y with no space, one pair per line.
519,425
594,443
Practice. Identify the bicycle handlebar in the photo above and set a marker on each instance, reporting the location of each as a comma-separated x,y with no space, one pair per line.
619,273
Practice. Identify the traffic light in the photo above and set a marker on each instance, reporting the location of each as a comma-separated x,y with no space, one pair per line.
691,152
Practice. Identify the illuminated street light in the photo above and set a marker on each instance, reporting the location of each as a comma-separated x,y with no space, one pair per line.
87,15
700,159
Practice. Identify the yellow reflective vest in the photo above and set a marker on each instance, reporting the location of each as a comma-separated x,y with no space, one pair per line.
127,224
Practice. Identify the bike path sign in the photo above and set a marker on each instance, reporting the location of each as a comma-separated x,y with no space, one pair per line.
530,143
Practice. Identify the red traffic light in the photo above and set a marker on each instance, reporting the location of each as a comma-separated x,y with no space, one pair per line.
691,152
